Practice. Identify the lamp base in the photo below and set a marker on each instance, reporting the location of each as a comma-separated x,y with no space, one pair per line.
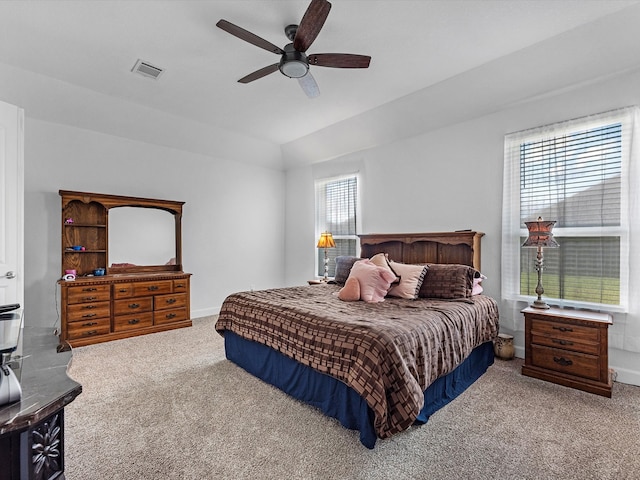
540,304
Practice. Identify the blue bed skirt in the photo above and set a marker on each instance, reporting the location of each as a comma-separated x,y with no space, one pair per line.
335,398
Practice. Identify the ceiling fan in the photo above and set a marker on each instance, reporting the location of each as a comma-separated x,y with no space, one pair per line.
294,62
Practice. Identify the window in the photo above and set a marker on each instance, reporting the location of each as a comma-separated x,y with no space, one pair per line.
575,173
337,213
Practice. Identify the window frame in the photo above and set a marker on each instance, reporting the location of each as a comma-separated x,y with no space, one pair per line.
320,220
514,230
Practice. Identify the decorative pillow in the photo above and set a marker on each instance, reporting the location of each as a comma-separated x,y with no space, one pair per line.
351,290
411,279
343,268
382,260
374,280
447,281
477,280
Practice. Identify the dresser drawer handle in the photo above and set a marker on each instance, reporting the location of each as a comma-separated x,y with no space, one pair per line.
89,324
171,300
88,307
123,290
170,315
133,321
152,288
563,329
562,342
90,332
180,285
134,305
89,315
89,289
562,361
88,299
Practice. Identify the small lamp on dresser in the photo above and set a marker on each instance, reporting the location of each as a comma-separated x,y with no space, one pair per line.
326,242
540,236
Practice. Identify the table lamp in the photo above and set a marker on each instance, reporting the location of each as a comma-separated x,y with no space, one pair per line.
540,236
326,241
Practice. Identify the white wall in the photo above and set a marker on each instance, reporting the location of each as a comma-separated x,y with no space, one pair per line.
231,208
451,178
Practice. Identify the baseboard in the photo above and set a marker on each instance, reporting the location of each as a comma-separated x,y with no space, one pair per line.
204,312
624,375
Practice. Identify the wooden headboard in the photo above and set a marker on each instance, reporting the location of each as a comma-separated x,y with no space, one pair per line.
461,247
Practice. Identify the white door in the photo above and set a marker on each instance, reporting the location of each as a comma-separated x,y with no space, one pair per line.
11,204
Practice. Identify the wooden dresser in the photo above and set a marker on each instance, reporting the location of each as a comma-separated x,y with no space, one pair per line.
568,347
100,309
109,301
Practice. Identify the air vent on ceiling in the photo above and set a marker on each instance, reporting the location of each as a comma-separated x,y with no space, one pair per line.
147,70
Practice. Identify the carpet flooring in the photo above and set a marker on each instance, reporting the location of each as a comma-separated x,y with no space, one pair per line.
170,406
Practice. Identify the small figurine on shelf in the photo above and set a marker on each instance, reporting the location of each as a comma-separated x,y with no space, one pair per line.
68,220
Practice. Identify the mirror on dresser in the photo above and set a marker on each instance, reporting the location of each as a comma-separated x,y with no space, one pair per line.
140,236
121,269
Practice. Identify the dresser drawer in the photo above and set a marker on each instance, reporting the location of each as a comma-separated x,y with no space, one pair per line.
123,290
169,316
88,293
172,300
83,311
180,286
152,288
132,305
88,328
579,364
132,322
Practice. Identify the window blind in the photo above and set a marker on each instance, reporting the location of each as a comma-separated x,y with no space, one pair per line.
336,212
575,178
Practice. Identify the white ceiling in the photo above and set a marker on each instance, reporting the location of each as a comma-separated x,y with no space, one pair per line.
413,44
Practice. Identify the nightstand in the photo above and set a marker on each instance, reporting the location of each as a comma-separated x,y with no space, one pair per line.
568,347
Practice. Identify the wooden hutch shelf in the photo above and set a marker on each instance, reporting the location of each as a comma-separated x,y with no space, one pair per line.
126,300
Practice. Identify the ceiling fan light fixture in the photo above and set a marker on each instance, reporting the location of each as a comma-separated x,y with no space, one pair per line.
293,64
294,69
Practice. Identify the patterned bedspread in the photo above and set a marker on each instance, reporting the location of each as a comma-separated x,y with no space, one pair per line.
388,352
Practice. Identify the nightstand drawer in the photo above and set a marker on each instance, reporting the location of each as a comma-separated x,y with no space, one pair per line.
564,330
587,366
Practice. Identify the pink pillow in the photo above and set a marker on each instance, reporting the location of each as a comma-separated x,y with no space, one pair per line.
374,281
411,278
351,290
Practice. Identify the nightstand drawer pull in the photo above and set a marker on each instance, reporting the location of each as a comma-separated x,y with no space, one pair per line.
88,299
563,361
152,288
89,324
134,305
134,321
563,329
562,342
171,301
91,332
89,315
89,289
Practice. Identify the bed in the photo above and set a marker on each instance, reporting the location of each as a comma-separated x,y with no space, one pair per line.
377,367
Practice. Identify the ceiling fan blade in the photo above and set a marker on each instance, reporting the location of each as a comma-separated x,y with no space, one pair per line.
309,85
263,72
339,60
247,36
311,24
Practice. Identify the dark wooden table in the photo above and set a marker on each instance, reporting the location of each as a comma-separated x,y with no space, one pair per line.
32,430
